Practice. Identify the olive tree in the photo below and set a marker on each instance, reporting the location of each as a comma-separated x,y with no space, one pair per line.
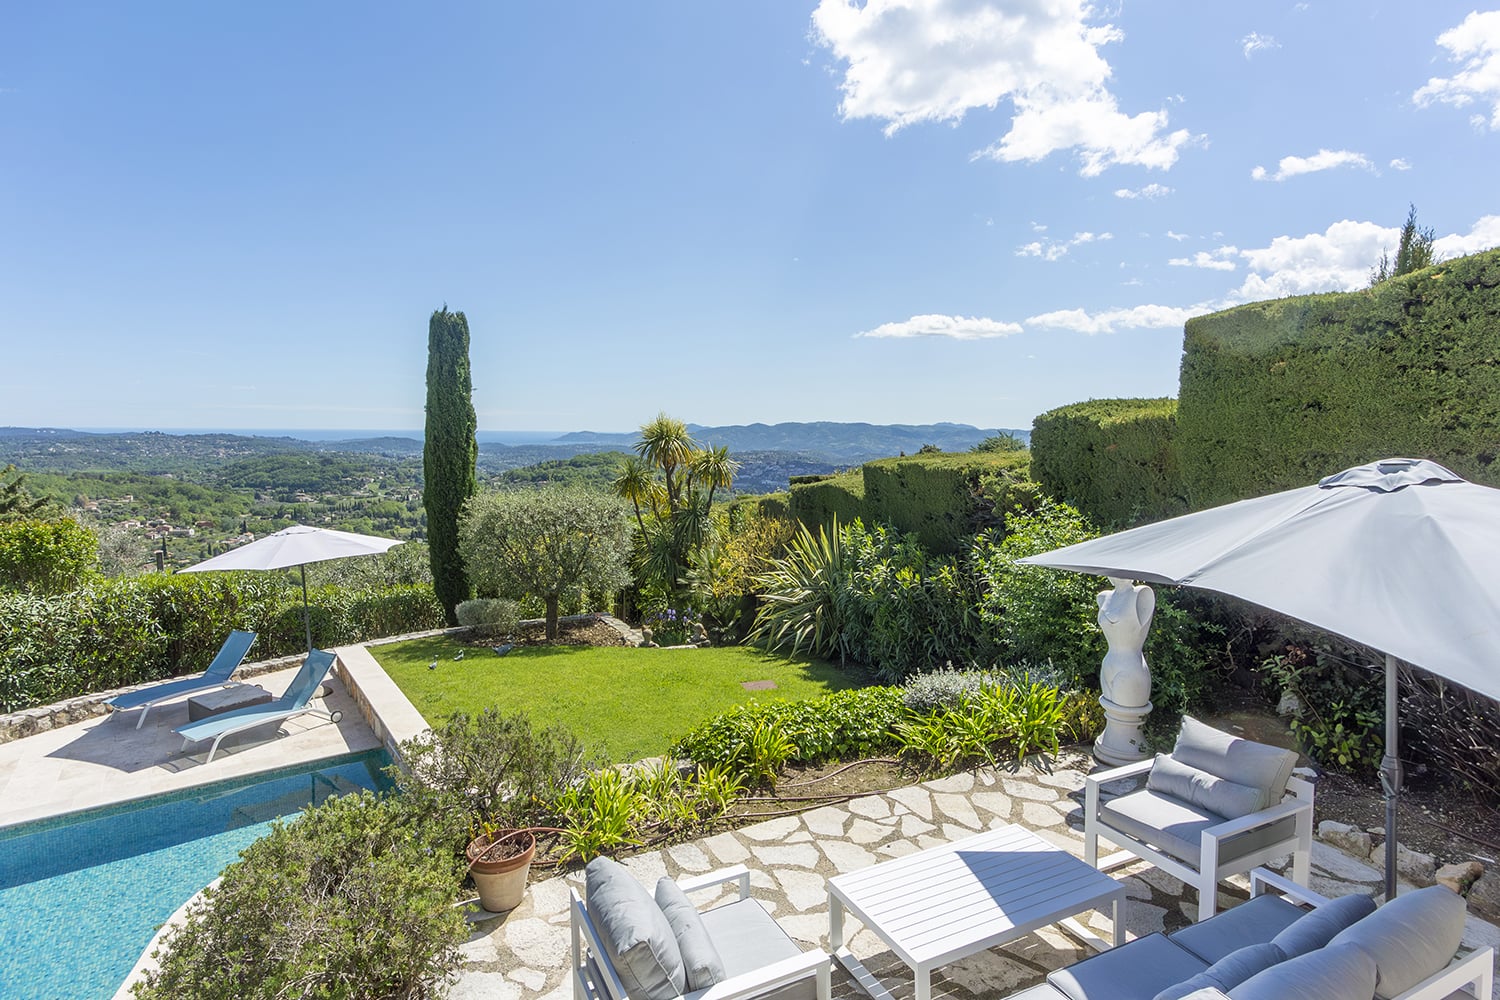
550,543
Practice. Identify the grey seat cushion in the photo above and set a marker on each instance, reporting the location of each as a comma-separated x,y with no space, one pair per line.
1317,928
1409,938
1228,972
1042,991
640,944
1209,792
1261,919
1243,761
1142,968
1175,827
1335,972
700,959
748,938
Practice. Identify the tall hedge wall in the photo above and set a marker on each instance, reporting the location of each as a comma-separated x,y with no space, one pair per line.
818,503
932,495
1279,394
1113,459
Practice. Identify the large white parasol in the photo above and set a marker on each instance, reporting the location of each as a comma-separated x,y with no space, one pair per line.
296,546
1400,555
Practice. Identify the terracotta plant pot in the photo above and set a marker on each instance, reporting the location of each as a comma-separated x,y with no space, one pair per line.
502,883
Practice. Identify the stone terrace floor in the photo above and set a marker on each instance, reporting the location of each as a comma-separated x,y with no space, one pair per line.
106,760
524,954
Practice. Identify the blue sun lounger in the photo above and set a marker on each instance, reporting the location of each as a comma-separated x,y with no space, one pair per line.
295,702
231,655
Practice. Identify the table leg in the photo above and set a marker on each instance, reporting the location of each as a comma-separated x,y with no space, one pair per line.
1119,929
923,984
835,923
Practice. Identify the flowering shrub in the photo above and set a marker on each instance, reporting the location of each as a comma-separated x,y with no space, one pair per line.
673,627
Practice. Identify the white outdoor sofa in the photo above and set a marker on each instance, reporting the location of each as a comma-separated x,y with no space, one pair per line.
1272,949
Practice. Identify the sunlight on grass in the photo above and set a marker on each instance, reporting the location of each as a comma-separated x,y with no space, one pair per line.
633,702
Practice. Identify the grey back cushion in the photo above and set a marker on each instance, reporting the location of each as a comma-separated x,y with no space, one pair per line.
1219,796
700,959
1337,972
1228,972
1409,938
1239,760
640,944
1315,929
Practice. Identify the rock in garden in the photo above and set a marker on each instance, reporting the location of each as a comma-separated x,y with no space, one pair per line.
1484,894
1459,877
1290,706
1350,839
1414,866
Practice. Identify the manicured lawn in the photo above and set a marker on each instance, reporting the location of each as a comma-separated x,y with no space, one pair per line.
633,702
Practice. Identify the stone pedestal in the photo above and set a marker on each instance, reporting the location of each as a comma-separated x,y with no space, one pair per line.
1122,742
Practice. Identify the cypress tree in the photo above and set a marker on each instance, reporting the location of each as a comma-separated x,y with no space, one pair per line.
449,451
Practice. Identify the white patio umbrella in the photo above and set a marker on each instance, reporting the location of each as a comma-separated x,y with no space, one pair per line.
296,546
1400,555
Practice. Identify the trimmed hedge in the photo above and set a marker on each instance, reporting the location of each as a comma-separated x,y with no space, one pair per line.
1113,459
767,505
937,496
1279,394
818,504
130,631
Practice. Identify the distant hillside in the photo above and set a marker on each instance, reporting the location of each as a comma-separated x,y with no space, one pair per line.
768,453
822,441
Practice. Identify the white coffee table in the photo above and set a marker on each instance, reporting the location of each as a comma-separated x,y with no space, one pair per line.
947,902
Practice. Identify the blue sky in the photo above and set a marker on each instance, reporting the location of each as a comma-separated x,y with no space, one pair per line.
233,216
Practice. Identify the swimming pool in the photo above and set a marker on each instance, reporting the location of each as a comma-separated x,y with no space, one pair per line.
82,895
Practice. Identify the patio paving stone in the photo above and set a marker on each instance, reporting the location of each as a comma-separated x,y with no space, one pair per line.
915,798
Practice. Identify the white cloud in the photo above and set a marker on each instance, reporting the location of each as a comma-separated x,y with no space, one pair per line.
1179,237
954,327
1221,259
1484,235
1056,249
1256,42
1323,159
1340,258
1475,44
911,61
1337,259
1149,192
1147,317
1400,164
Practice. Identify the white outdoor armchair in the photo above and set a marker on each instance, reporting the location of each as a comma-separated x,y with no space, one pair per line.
627,947
1216,806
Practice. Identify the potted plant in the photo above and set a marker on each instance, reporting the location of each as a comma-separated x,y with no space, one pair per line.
500,863
499,778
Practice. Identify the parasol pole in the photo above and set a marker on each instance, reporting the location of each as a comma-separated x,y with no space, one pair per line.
1390,773
306,619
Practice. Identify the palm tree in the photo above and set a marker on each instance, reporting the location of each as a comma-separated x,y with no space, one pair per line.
665,444
713,467
636,483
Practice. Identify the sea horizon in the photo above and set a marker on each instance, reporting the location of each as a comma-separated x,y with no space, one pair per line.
327,434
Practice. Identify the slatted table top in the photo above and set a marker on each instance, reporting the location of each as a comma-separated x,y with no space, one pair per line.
947,902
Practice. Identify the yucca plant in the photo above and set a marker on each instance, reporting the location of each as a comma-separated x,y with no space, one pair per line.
800,609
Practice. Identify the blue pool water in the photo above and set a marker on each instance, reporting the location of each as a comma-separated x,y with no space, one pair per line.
81,896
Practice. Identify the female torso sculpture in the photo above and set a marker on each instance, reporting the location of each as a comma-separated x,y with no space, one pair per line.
1125,618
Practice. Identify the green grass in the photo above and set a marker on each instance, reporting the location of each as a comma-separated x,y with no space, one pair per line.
632,702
